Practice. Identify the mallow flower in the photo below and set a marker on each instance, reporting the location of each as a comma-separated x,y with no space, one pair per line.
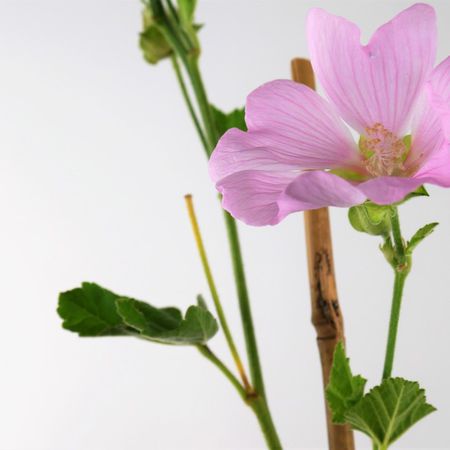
298,152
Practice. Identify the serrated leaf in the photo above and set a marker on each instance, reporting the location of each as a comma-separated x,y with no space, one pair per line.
94,311
419,236
225,121
344,390
389,410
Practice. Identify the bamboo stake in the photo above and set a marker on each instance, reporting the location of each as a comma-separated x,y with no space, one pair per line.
326,313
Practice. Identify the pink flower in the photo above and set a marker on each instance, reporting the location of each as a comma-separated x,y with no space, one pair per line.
298,154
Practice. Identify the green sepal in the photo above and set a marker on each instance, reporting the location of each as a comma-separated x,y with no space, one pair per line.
389,410
225,121
344,390
419,192
419,236
371,218
153,44
389,252
91,310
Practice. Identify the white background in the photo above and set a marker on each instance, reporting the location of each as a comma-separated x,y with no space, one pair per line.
97,151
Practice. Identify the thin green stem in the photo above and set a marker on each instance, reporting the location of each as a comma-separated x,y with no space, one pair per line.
233,237
207,353
214,294
399,283
401,268
189,58
188,101
261,410
397,235
255,402
244,305
202,100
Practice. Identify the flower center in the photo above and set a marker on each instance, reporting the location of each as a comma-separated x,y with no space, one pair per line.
384,152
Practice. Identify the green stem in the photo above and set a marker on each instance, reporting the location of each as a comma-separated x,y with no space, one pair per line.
255,402
202,100
214,294
233,237
189,58
401,272
399,283
244,305
261,410
188,101
207,353
397,235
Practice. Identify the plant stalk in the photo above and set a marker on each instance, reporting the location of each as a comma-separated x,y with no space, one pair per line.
214,294
209,136
401,269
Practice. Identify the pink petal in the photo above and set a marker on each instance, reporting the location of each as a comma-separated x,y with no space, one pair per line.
380,82
253,196
431,126
437,169
387,190
316,189
265,198
290,128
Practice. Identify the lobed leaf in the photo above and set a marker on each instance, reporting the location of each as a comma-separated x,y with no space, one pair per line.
389,410
344,390
94,311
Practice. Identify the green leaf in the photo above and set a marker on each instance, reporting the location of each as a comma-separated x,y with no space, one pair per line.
371,218
389,410
94,311
90,311
225,121
344,390
419,236
196,328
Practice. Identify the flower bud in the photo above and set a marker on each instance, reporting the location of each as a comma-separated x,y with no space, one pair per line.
152,42
371,218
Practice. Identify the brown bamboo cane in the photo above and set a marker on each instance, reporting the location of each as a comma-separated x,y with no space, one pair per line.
326,313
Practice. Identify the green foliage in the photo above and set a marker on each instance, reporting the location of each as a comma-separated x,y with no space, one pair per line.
419,236
225,121
94,311
344,390
384,413
152,41
389,410
90,311
371,218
